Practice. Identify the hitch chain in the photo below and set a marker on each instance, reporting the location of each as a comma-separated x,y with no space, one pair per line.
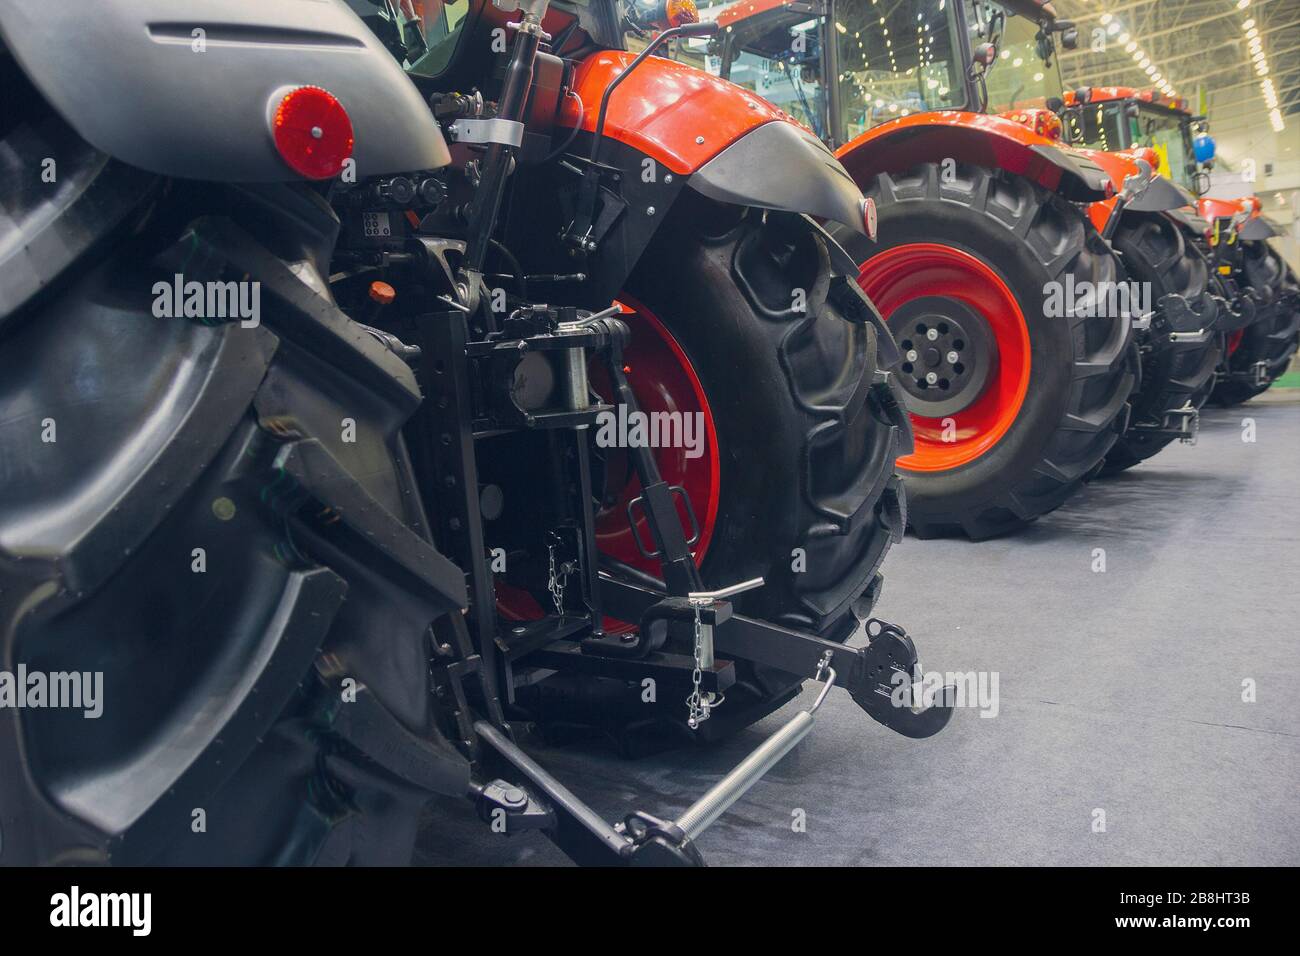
698,705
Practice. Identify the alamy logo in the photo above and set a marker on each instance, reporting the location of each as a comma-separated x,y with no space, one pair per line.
74,908
624,429
974,689
1095,300
210,302
76,690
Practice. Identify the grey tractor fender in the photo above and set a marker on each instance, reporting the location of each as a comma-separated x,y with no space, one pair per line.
188,89
1260,227
1161,195
782,166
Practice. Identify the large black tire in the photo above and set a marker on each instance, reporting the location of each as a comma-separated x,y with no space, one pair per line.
1273,337
1082,369
182,510
1155,252
808,434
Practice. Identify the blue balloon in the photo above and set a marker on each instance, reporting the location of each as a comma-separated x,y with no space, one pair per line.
1204,148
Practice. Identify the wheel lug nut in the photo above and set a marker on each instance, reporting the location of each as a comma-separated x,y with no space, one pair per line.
932,335
952,358
911,355
931,377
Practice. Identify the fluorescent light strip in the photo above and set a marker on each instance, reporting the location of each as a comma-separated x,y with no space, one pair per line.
1141,60
1258,61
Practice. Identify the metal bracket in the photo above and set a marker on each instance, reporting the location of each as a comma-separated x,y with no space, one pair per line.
1186,421
680,492
503,131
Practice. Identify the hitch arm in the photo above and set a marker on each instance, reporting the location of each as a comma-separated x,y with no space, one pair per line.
871,674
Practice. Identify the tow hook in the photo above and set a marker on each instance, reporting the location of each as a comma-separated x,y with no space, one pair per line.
1176,323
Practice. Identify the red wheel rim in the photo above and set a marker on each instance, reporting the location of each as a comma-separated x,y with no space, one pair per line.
663,380
920,270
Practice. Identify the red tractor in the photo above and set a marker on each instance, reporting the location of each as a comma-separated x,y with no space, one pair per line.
1027,353
1252,279
462,371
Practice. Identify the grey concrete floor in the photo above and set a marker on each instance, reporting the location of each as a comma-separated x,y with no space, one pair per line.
1119,691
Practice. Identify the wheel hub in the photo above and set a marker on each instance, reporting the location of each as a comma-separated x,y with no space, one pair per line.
948,352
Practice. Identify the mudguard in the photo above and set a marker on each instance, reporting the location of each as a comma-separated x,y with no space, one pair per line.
1252,224
1160,194
1211,209
1259,227
1191,220
992,141
678,115
188,89
735,146
783,166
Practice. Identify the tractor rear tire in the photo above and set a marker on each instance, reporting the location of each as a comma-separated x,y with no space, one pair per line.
1273,337
978,256
808,434
1155,253
219,521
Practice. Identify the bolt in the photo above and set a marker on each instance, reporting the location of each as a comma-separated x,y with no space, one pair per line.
932,335
650,210
317,132
223,508
911,355
668,177
952,357
931,378
513,796
699,140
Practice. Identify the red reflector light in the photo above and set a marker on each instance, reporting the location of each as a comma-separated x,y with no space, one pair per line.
313,133
870,218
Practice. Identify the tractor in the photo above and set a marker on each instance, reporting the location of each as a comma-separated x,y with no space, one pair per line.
328,426
1051,320
1248,275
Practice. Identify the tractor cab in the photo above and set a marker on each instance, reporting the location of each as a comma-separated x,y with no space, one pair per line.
842,67
1116,118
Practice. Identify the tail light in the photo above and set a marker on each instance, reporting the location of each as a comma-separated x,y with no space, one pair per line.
312,132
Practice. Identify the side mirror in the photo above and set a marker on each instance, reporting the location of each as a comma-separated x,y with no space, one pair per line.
985,54
1070,38
1056,105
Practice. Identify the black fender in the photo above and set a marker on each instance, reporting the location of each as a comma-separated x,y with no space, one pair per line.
783,167
1261,227
1161,195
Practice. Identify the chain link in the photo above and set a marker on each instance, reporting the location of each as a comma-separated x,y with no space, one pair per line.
697,705
556,582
